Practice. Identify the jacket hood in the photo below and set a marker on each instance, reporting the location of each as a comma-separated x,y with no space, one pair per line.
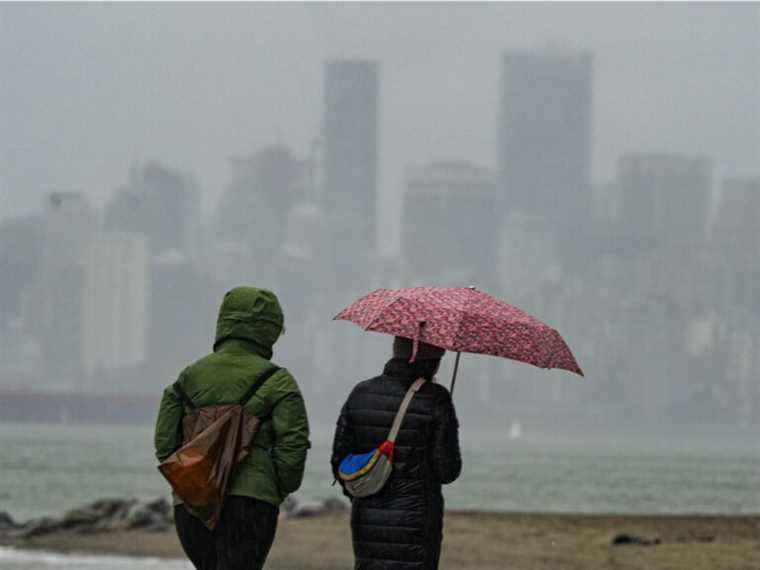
252,315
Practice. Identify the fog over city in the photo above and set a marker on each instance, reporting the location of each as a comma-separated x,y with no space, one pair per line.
597,165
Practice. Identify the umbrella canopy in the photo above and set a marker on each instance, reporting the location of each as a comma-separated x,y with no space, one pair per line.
462,320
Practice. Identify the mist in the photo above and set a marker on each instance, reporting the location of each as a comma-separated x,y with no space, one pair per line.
595,164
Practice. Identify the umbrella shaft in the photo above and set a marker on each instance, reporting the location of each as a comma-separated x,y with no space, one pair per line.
456,369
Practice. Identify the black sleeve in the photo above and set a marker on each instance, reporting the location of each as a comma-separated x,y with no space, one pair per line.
447,459
343,443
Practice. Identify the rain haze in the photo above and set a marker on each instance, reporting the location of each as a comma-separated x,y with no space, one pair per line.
178,104
88,89
597,165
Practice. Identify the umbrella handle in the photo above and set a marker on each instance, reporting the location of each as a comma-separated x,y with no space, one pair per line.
454,377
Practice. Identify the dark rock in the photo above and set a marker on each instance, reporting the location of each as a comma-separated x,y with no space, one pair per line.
316,508
98,516
103,516
335,506
6,522
38,527
306,509
630,539
152,515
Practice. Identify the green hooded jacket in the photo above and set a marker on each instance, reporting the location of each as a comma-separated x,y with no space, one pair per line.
250,321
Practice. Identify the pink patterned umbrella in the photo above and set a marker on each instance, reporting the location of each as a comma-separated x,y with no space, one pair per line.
462,319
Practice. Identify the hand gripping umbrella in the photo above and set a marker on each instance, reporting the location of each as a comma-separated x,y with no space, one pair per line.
461,319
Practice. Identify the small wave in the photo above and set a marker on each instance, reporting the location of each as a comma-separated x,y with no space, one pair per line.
41,559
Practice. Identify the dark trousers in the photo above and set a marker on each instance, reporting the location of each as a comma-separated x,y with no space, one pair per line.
241,540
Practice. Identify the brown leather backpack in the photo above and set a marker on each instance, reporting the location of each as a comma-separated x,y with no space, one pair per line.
215,440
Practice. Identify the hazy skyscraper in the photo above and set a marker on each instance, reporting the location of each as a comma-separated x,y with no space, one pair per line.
545,131
20,254
55,306
116,299
348,199
351,130
254,208
738,220
665,198
70,223
440,243
736,238
160,203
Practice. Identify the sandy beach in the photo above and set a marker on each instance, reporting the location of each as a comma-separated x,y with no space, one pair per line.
487,541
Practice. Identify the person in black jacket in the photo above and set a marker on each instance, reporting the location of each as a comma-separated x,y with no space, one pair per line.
401,527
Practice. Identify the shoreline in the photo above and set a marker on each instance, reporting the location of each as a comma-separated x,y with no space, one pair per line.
481,540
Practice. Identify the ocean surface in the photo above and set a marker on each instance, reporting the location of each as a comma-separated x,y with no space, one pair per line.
47,469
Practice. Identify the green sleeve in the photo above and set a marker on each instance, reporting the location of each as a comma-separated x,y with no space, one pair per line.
168,435
291,441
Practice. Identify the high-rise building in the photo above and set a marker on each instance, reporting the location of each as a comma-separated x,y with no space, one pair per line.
348,199
159,203
20,253
545,133
665,198
351,132
528,258
183,305
736,240
262,189
738,219
55,308
449,224
116,302
69,225
253,213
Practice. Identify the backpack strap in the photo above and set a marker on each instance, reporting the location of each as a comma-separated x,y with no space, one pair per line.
413,389
185,399
259,383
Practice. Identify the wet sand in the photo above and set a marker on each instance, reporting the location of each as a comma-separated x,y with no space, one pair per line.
486,541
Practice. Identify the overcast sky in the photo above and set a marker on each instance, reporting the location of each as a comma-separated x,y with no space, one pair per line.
87,89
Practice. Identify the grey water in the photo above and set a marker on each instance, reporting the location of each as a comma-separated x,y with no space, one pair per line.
47,469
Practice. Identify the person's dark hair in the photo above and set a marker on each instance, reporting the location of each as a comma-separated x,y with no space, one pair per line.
426,368
427,360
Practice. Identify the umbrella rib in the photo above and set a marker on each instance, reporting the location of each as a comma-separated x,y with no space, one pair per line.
380,312
463,316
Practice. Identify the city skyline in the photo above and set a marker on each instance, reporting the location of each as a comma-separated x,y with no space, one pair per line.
642,262
674,61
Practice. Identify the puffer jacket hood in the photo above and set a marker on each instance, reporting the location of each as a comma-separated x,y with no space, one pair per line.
250,314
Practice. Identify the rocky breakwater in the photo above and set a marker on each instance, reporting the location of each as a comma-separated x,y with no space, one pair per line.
150,515
295,508
105,515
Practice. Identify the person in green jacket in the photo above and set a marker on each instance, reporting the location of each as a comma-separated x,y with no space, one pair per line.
250,322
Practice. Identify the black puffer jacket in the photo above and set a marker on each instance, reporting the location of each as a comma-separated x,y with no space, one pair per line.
400,528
